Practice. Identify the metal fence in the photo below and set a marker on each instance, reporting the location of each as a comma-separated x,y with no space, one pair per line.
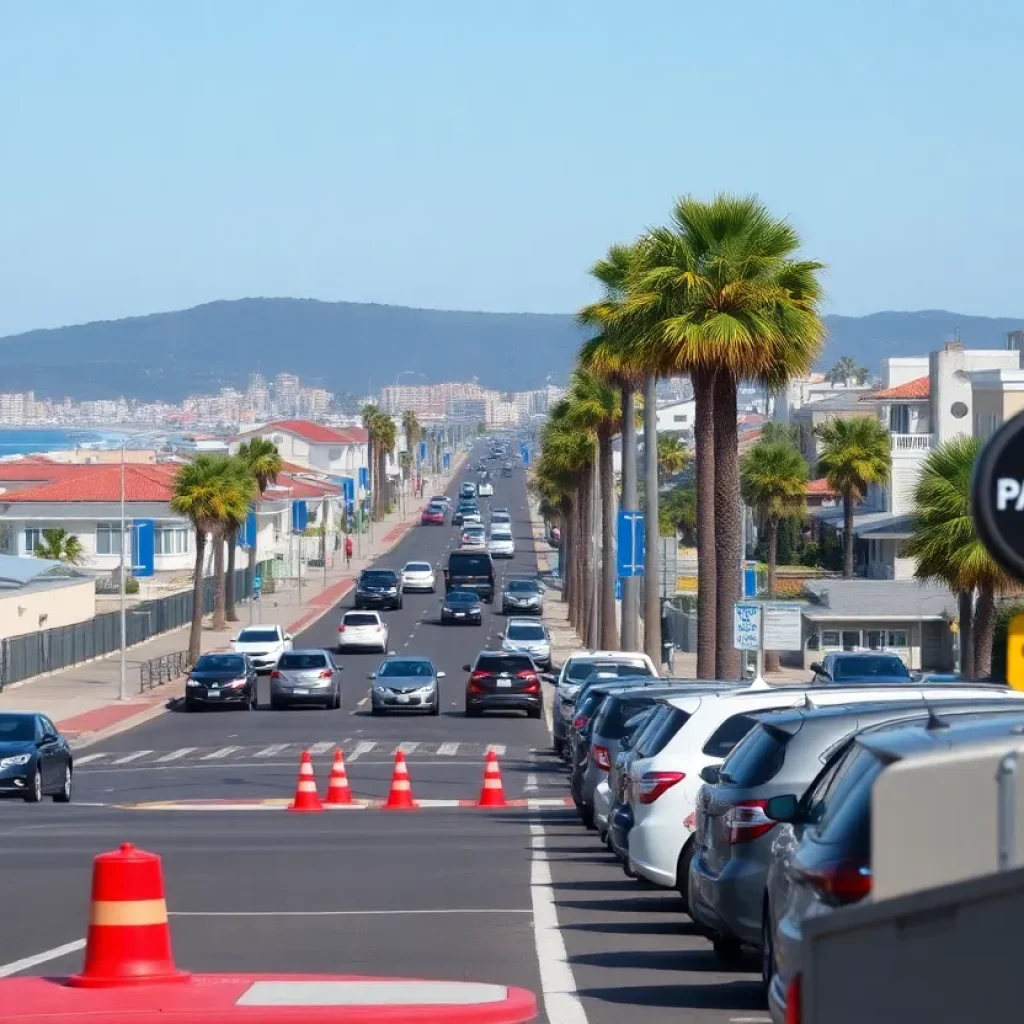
163,669
680,623
50,650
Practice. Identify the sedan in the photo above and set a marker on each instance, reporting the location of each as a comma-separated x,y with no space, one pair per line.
462,606
433,515
380,587
501,544
473,539
418,576
305,677
222,679
501,681
528,636
522,595
406,684
35,760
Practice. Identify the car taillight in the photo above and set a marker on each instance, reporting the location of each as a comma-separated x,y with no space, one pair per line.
475,680
326,674
579,721
341,629
836,884
653,784
275,674
747,821
793,1000
599,755
379,629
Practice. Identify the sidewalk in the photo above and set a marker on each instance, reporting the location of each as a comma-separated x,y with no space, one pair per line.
83,700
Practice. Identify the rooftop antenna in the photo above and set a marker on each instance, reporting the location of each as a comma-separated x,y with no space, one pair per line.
934,722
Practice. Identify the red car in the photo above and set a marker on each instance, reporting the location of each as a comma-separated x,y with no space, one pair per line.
433,515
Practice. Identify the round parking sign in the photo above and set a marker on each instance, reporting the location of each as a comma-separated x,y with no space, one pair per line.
997,496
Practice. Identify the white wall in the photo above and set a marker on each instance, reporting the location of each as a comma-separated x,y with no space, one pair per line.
951,386
897,370
23,611
678,416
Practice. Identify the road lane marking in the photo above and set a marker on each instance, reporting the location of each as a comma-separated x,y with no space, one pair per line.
6,970
134,756
531,783
561,1000
322,747
407,747
270,751
362,702
88,758
174,755
362,747
448,749
347,913
498,749
218,754
750,1020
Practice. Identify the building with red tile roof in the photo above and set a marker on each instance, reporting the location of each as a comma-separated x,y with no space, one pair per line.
915,390
338,452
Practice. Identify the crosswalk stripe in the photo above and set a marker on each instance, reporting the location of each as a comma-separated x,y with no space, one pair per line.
174,755
270,751
408,747
133,756
89,757
362,747
323,747
217,754
498,748
448,749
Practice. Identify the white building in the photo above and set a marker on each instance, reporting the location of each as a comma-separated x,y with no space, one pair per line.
803,391
336,452
676,416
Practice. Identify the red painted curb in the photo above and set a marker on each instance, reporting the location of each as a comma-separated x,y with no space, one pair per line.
104,717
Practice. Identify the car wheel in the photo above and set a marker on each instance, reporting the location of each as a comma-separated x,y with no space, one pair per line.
436,709
472,712
535,712
35,792
275,705
767,952
559,746
729,951
190,706
63,795
376,710
337,700
683,874
586,813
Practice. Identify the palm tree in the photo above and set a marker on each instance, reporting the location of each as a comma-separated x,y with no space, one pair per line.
60,546
413,433
846,369
263,461
234,522
206,494
385,435
948,550
855,453
673,457
369,413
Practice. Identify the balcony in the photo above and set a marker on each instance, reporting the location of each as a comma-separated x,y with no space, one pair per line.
912,442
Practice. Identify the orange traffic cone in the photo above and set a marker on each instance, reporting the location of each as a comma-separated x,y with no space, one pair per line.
129,941
400,794
306,798
492,794
338,792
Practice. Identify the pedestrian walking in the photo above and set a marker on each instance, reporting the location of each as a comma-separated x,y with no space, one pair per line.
348,551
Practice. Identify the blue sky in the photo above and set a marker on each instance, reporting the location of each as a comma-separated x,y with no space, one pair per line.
481,155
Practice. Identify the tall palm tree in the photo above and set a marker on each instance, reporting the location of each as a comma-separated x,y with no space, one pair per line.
385,435
855,453
369,414
673,457
60,546
413,433
232,524
263,460
948,550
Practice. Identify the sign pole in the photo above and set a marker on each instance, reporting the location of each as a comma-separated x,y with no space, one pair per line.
759,679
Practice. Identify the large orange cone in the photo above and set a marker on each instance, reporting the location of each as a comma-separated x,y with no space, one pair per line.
129,942
306,798
400,794
492,794
338,792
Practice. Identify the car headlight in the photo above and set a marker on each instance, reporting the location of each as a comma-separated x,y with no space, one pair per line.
426,689
11,762
237,682
381,689
193,682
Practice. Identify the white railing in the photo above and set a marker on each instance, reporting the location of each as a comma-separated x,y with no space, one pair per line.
912,442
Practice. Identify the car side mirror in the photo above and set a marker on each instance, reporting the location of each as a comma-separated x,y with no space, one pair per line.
440,675
467,668
711,774
916,676
234,639
48,737
371,675
288,636
783,808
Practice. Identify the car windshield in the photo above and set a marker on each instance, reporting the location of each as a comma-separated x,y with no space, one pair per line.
258,636
522,587
462,597
220,663
499,534
361,619
17,729
379,576
881,665
407,667
302,660
604,669
504,663
418,567
469,565
526,631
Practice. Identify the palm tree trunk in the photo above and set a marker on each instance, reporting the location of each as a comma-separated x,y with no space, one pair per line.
965,600
629,584
847,535
196,632
371,473
594,552
771,658
218,579
727,539
609,633
229,579
565,552
984,631
704,441
652,560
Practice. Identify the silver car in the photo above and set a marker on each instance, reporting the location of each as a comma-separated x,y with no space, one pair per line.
528,636
520,595
305,677
406,684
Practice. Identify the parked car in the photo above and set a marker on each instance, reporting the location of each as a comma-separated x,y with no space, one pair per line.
522,594
217,679
433,515
35,759
378,588
528,636
605,791
470,570
462,606
305,677
862,667
418,576
263,644
406,684
366,630
500,681
501,544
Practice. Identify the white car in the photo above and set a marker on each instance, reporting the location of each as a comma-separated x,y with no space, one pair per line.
472,519
363,629
664,778
500,517
418,576
501,544
263,644
486,489
474,539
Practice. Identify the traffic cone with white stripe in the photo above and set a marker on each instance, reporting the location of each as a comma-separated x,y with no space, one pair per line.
129,941
400,794
492,794
338,792
306,798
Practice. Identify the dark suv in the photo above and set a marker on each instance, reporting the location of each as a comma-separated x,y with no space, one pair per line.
501,681
378,588
470,570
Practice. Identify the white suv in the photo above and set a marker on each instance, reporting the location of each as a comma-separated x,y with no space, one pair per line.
363,629
263,644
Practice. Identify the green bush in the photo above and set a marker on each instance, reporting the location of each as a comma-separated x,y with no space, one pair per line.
131,585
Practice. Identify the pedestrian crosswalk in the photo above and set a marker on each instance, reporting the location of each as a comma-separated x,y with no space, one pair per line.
274,753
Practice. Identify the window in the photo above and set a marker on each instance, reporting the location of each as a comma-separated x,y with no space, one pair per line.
898,638
829,638
171,540
757,758
899,419
874,639
655,741
679,417
301,661
851,639
108,538
728,734
33,539
259,636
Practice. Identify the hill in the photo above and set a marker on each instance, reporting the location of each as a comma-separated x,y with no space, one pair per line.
347,347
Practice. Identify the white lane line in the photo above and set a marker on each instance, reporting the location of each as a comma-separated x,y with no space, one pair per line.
6,970
322,747
174,755
274,748
218,754
134,756
498,748
561,1001
448,749
362,747
531,783
750,1020
88,758
345,913
362,702
407,747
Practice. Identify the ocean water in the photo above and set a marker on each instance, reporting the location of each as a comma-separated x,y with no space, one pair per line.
39,440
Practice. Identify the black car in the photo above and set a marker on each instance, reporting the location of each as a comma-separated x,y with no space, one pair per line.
462,606
35,760
501,681
470,570
221,679
378,588
458,516
862,667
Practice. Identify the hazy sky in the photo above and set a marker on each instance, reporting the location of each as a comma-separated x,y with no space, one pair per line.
481,155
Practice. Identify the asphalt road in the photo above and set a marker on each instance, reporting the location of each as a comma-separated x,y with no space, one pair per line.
460,894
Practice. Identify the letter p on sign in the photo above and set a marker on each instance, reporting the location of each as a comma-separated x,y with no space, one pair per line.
1007,491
